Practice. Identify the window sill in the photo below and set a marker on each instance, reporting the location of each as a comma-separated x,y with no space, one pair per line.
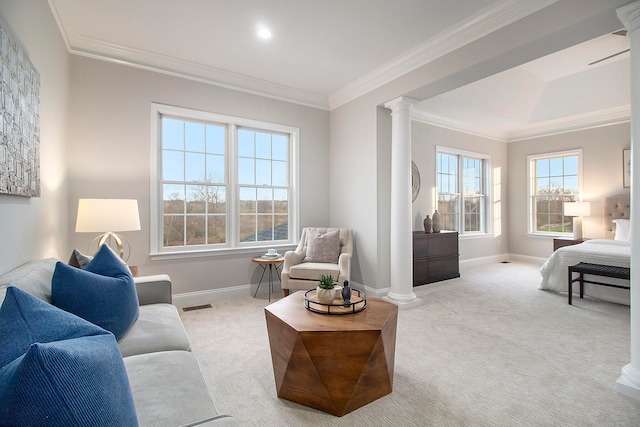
253,250
475,236
550,236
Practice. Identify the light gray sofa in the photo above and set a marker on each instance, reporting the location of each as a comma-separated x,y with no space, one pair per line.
166,382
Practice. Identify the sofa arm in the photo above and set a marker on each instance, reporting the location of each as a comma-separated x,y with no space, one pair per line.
291,258
344,264
153,289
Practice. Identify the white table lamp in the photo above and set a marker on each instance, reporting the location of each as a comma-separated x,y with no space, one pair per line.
108,216
577,210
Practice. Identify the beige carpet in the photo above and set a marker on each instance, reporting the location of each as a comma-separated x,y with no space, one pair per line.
488,349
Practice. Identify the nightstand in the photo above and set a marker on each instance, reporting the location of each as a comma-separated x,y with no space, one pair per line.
560,242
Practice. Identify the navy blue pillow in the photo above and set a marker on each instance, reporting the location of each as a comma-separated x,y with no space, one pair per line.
25,319
71,372
103,293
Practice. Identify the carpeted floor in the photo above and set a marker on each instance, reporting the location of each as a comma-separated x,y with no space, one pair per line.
488,349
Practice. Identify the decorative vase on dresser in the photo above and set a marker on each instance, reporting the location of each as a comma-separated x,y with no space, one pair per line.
427,224
436,223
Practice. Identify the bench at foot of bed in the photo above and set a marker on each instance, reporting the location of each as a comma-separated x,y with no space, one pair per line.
596,270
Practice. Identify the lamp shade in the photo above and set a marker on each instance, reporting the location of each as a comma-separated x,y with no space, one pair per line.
577,209
103,215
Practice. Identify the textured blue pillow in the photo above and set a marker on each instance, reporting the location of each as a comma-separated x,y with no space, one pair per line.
63,378
81,381
25,319
103,293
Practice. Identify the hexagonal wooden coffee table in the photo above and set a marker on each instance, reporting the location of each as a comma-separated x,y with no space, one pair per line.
334,363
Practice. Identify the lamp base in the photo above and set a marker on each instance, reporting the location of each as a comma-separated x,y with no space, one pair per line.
577,228
110,238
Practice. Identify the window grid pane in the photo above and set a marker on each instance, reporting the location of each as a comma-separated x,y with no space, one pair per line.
262,174
195,184
448,207
461,198
193,159
556,181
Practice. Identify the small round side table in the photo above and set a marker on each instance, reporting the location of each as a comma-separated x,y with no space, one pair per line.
273,264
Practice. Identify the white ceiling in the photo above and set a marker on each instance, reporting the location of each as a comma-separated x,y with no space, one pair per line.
324,53
556,93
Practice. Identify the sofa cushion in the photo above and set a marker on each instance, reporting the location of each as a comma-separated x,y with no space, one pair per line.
158,328
323,247
25,319
33,277
168,388
104,293
313,270
70,372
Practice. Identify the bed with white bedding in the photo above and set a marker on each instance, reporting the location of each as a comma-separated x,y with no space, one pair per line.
608,252
615,251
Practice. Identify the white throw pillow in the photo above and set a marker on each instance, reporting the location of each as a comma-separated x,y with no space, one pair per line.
623,229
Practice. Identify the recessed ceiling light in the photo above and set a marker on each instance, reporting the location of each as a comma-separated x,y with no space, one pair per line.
264,32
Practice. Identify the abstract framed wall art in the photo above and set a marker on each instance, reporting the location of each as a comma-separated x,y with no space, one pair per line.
19,120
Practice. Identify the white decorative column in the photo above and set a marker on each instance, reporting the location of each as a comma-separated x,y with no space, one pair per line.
401,292
629,381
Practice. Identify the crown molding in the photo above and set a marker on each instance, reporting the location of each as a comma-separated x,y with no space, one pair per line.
580,122
468,128
488,20
151,61
611,116
491,19
162,64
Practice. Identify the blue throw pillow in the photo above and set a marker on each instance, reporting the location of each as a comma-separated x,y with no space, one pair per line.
103,293
25,319
81,381
63,377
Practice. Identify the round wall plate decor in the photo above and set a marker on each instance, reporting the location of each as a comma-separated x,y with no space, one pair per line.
415,181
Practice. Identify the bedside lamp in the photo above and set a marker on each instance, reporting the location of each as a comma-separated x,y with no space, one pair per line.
577,210
108,216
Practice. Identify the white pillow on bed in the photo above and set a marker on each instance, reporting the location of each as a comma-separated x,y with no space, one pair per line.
623,229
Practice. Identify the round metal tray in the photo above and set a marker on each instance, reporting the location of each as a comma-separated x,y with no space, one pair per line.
358,302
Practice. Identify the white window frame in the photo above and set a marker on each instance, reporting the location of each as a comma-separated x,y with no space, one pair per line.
233,245
531,174
486,182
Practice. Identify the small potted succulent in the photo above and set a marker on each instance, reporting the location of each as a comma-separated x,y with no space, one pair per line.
327,290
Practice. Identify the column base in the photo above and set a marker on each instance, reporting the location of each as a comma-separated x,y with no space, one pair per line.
403,300
629,382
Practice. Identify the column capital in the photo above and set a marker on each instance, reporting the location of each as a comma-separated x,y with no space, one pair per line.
400,103
630,15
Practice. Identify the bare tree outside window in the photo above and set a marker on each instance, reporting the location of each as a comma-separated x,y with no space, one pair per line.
555,180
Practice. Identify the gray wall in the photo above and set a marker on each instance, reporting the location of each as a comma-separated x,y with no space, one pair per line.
109,156
104,152
425,138
602,172
34,228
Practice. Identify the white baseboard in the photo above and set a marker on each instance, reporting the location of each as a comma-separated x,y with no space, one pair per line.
473,262
190,299
527,258
379,293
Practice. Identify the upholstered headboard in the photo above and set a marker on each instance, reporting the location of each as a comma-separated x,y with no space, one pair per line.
615,207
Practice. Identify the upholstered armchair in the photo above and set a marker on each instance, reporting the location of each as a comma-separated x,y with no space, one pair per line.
320,251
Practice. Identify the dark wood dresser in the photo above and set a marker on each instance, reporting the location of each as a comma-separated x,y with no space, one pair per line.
435,257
